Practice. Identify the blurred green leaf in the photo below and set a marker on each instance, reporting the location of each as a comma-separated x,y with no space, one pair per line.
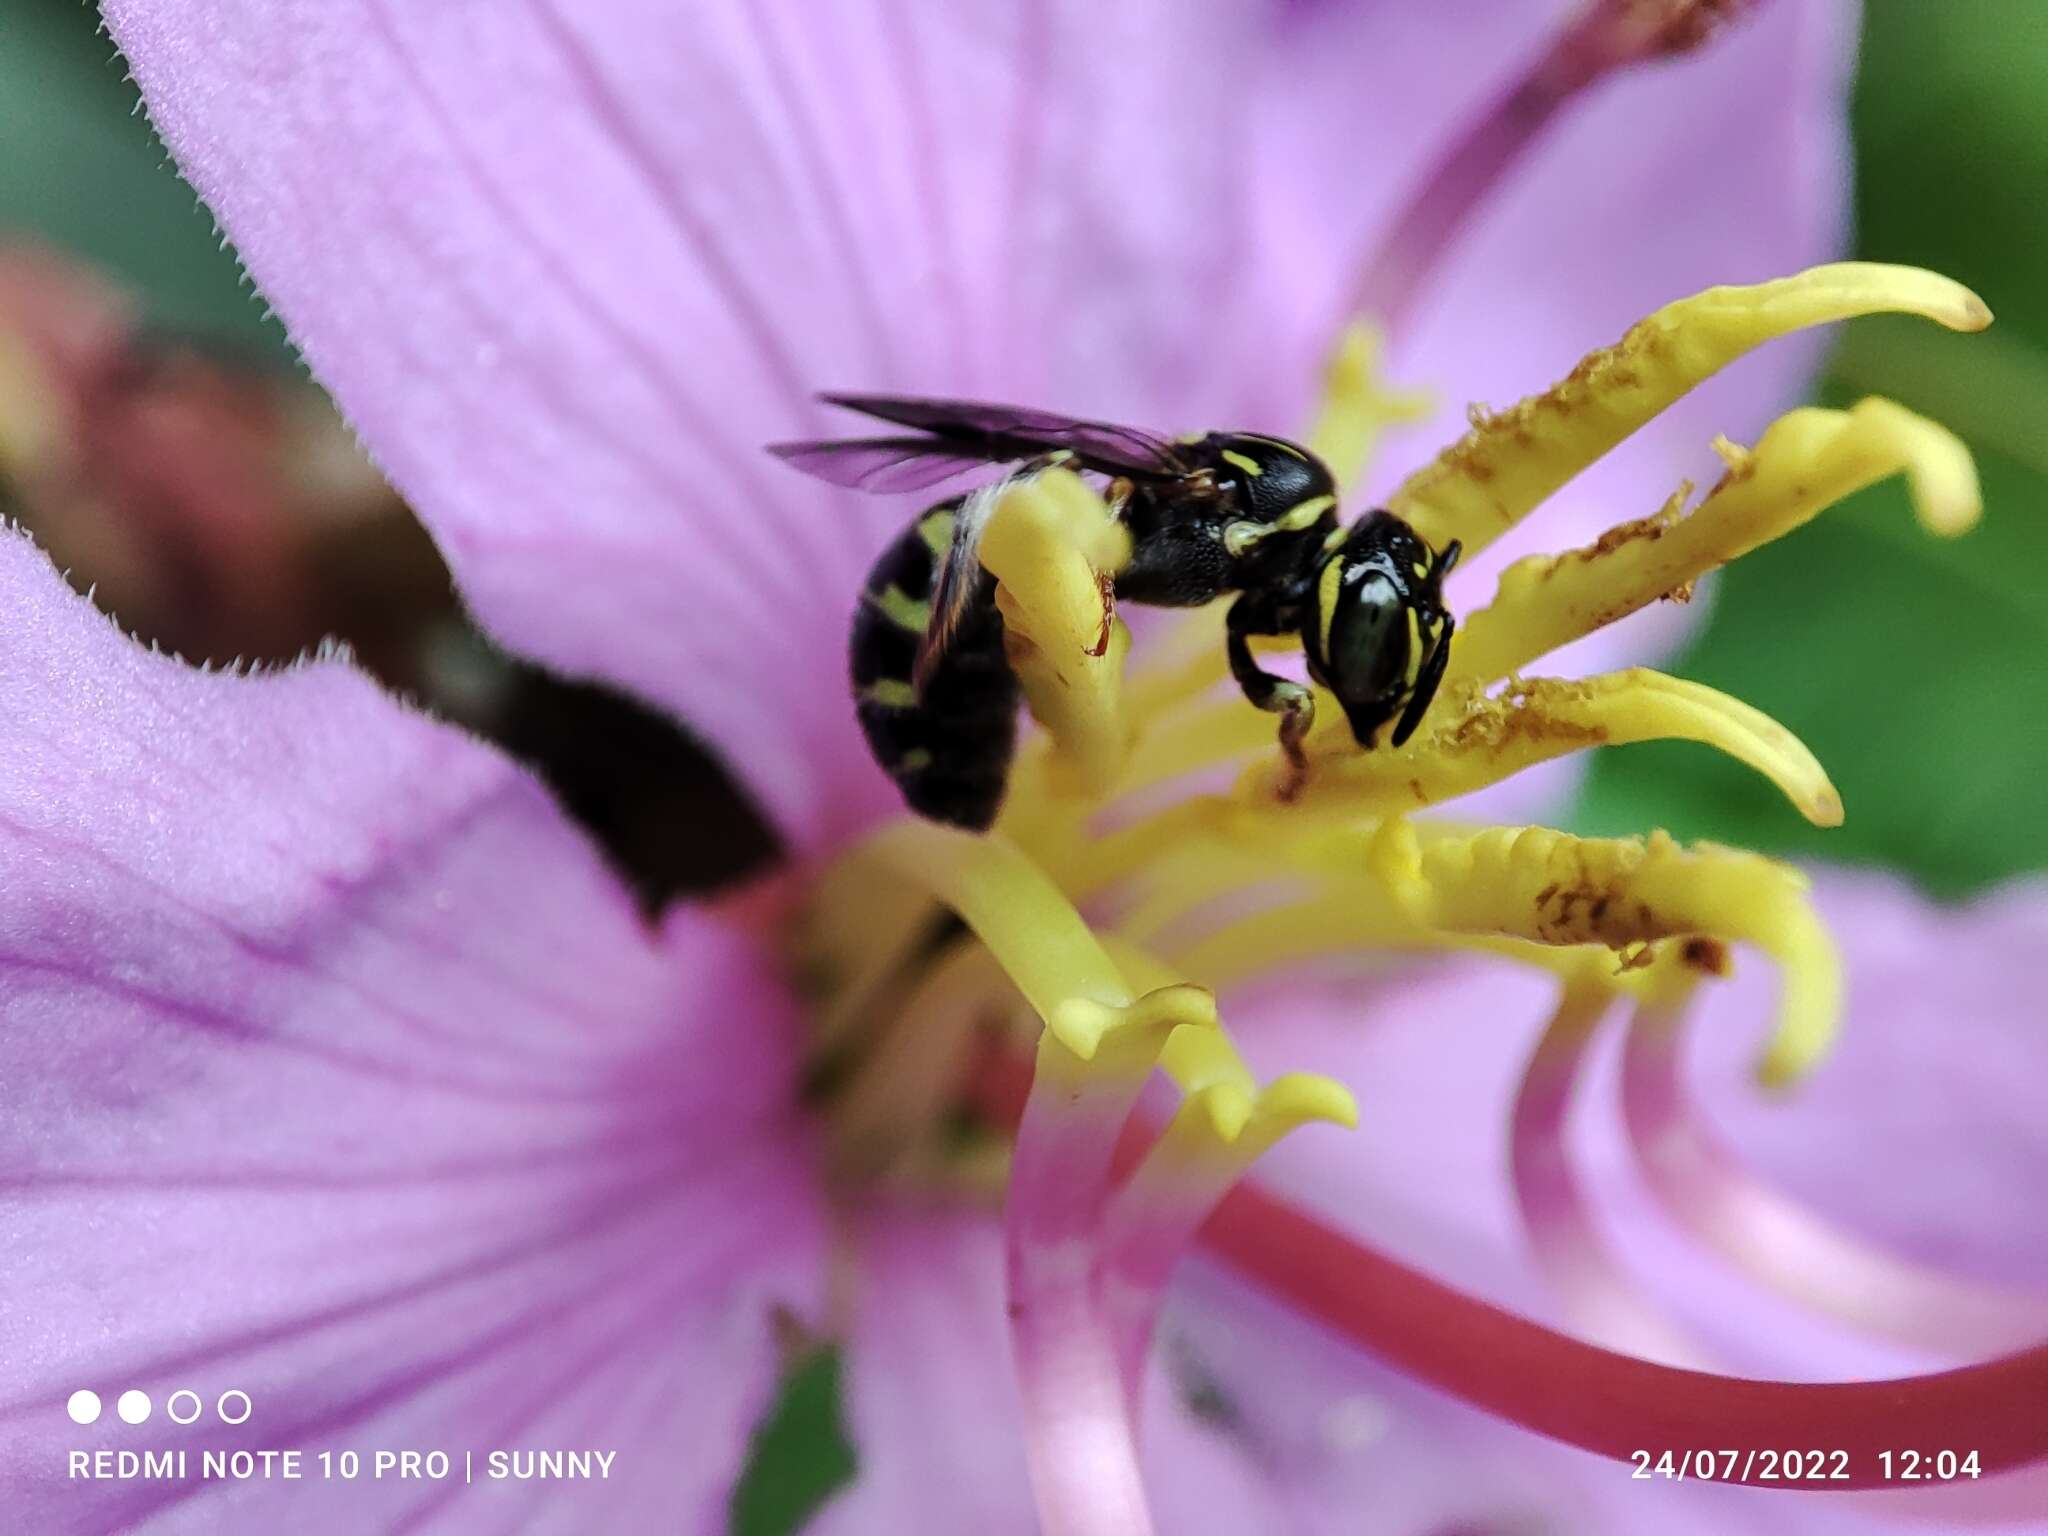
800,1456
82,170
1951,125
1916,669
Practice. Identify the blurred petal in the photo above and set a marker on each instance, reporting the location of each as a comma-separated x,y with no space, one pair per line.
1923,1129
933,1407
1919,1133
1625,208
1255,1421
345,1076
1333,1442
567,271
937,1423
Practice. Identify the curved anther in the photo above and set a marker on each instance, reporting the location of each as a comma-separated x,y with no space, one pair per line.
1807,461
1493,738
1511,462
1552,888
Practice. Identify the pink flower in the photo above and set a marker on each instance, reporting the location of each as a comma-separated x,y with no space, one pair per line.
341,1074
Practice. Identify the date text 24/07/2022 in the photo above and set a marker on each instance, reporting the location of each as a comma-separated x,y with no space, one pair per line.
1764,1465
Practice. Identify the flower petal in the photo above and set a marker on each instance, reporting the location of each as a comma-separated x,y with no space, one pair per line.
933,1406
1922,1130
1334,1442
568,270
1253,1422
343,1075
1917,1133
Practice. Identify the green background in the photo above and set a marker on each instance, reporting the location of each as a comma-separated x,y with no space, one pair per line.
1917,670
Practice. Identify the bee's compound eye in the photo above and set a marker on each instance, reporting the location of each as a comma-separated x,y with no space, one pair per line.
1369,640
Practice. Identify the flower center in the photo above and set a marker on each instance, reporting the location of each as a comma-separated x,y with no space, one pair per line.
1152,838
1154,850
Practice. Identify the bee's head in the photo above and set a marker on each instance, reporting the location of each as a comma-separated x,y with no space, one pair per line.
1377,633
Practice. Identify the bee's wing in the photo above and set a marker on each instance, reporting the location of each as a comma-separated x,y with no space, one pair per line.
958,578
880,464
999,433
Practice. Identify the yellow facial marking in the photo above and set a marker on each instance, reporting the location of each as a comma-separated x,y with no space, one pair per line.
916,760
1415,649
1327,587
1243,461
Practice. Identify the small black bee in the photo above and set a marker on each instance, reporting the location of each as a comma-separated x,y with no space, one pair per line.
1220,512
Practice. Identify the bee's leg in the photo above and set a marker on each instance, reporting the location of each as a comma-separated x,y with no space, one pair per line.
1117,497
1106,585
1294,703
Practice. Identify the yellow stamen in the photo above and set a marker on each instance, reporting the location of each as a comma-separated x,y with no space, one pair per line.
1510,463
1492,739
1353,921
1357,405
1011,904
1204,1139
1532,883
1048,542
1206,890
1095,1022
905,1081
1807,461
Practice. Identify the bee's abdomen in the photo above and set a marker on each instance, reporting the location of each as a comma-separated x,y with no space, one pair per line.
949,747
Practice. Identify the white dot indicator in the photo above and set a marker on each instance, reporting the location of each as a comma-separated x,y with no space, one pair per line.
84,1406
221,1407
171,1406
133,1406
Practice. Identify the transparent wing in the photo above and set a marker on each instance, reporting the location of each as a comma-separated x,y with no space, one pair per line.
1000,433
881,464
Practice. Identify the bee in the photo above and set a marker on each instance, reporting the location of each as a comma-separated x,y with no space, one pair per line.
1208,515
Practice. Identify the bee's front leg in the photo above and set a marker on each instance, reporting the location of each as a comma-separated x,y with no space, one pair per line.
1294,703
